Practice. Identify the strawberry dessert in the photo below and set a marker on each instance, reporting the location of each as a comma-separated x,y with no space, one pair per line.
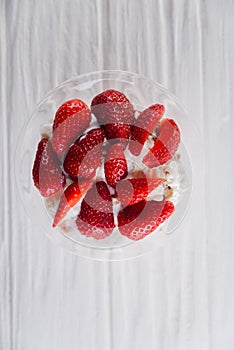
108,170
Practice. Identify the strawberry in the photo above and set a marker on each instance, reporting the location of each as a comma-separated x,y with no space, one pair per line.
165,145
71,119
114,113
131,191
112,106
69,198
141,219
144,125
84,156
96,217
115,166
118,132
47,173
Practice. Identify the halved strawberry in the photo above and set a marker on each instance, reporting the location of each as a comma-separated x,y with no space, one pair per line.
115,166
141,219
144,125
70,197
71,119
47,173
165,145
96,217
114,113
131,191
84,156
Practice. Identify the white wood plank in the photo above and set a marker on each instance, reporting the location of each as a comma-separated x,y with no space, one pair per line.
5,265
218,38
173,298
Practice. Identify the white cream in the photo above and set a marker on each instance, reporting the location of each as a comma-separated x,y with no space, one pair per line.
46,130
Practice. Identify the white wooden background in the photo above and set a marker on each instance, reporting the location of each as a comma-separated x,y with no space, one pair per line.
181,297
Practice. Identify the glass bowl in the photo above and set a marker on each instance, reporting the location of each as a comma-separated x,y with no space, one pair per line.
142,92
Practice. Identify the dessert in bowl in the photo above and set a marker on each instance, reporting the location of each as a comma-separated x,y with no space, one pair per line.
109,171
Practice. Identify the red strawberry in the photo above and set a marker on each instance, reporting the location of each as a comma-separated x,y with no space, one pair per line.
71,119
131,191
140,219
96,217
115,166
84,156
165,145
138,174
69,198
118,132
144,125
112,110
112,106
47,173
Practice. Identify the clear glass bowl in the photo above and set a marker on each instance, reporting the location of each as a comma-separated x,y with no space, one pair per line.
142,92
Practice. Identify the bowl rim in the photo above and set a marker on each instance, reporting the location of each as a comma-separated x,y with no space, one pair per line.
111,253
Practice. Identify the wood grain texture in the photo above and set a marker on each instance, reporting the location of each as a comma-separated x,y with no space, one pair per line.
180,297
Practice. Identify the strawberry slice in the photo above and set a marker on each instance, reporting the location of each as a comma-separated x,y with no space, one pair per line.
144,125
84,156
69,198
96,217
165,145
141,219
47,173
112,110
71,119
131,191
115,166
